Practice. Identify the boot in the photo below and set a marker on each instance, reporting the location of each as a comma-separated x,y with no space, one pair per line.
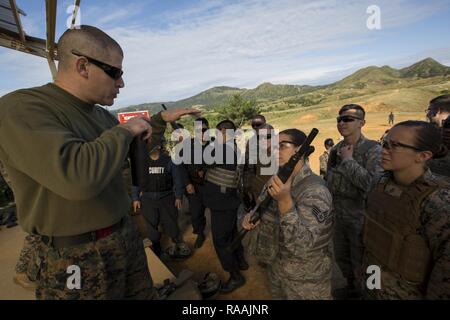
22,280
156,247
235,281
242,263
199,241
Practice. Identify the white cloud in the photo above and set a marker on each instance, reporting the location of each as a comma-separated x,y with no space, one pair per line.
26,69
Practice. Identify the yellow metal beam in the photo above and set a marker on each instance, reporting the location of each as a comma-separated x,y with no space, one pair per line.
15,12
50,6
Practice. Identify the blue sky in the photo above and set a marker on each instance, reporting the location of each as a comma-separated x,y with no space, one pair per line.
175,49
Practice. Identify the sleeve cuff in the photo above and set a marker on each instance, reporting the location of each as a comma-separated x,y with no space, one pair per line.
129,136
289,216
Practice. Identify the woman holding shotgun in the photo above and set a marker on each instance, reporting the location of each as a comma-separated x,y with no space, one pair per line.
295,231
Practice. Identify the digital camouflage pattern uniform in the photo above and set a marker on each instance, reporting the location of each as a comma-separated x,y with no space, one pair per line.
323,159
433,219
111,268
295,245
349,180
28,261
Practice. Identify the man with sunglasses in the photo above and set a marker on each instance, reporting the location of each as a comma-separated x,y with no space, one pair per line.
65,155
438,113
353,163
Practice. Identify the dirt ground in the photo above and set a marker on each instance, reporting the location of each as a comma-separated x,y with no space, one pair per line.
202,260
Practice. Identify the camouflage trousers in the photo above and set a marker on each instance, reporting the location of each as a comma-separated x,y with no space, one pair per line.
28,262
114,267
284,286
348,246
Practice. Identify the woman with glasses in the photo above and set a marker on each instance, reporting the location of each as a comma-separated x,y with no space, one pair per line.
293,236
407,229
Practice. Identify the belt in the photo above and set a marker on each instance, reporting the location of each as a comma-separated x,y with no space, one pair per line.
70,241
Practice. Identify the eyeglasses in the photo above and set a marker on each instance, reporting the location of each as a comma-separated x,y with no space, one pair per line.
111,71
285,144
347,119
395,146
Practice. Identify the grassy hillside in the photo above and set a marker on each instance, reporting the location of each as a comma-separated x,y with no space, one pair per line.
426,78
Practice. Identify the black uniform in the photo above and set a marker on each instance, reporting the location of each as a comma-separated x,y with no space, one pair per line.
165,184
223,203
196,202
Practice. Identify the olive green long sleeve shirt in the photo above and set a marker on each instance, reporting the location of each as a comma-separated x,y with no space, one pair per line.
65,158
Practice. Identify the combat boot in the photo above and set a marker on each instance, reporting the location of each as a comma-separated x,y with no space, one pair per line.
156,247
242,263
235,281
22,280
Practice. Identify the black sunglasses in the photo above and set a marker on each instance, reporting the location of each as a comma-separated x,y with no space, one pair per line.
347,119
394,145
111,71
284,143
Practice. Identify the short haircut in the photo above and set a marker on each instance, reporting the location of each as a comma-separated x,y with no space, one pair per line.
87,40
441,103
260,117
329,142
353,106
204,121
226,124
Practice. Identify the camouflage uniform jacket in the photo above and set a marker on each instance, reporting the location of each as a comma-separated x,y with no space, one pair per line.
323,159
298,241
350,179
435,220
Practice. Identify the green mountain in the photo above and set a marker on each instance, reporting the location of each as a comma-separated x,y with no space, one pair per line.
425,69
369,76
211,97
268,91
371,80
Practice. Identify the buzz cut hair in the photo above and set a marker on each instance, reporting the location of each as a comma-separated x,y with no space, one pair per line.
87,40
353,106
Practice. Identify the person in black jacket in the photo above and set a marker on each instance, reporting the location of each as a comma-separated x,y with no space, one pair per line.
160,201
220,195
195,184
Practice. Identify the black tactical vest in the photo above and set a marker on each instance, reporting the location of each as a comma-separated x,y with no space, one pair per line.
159,179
